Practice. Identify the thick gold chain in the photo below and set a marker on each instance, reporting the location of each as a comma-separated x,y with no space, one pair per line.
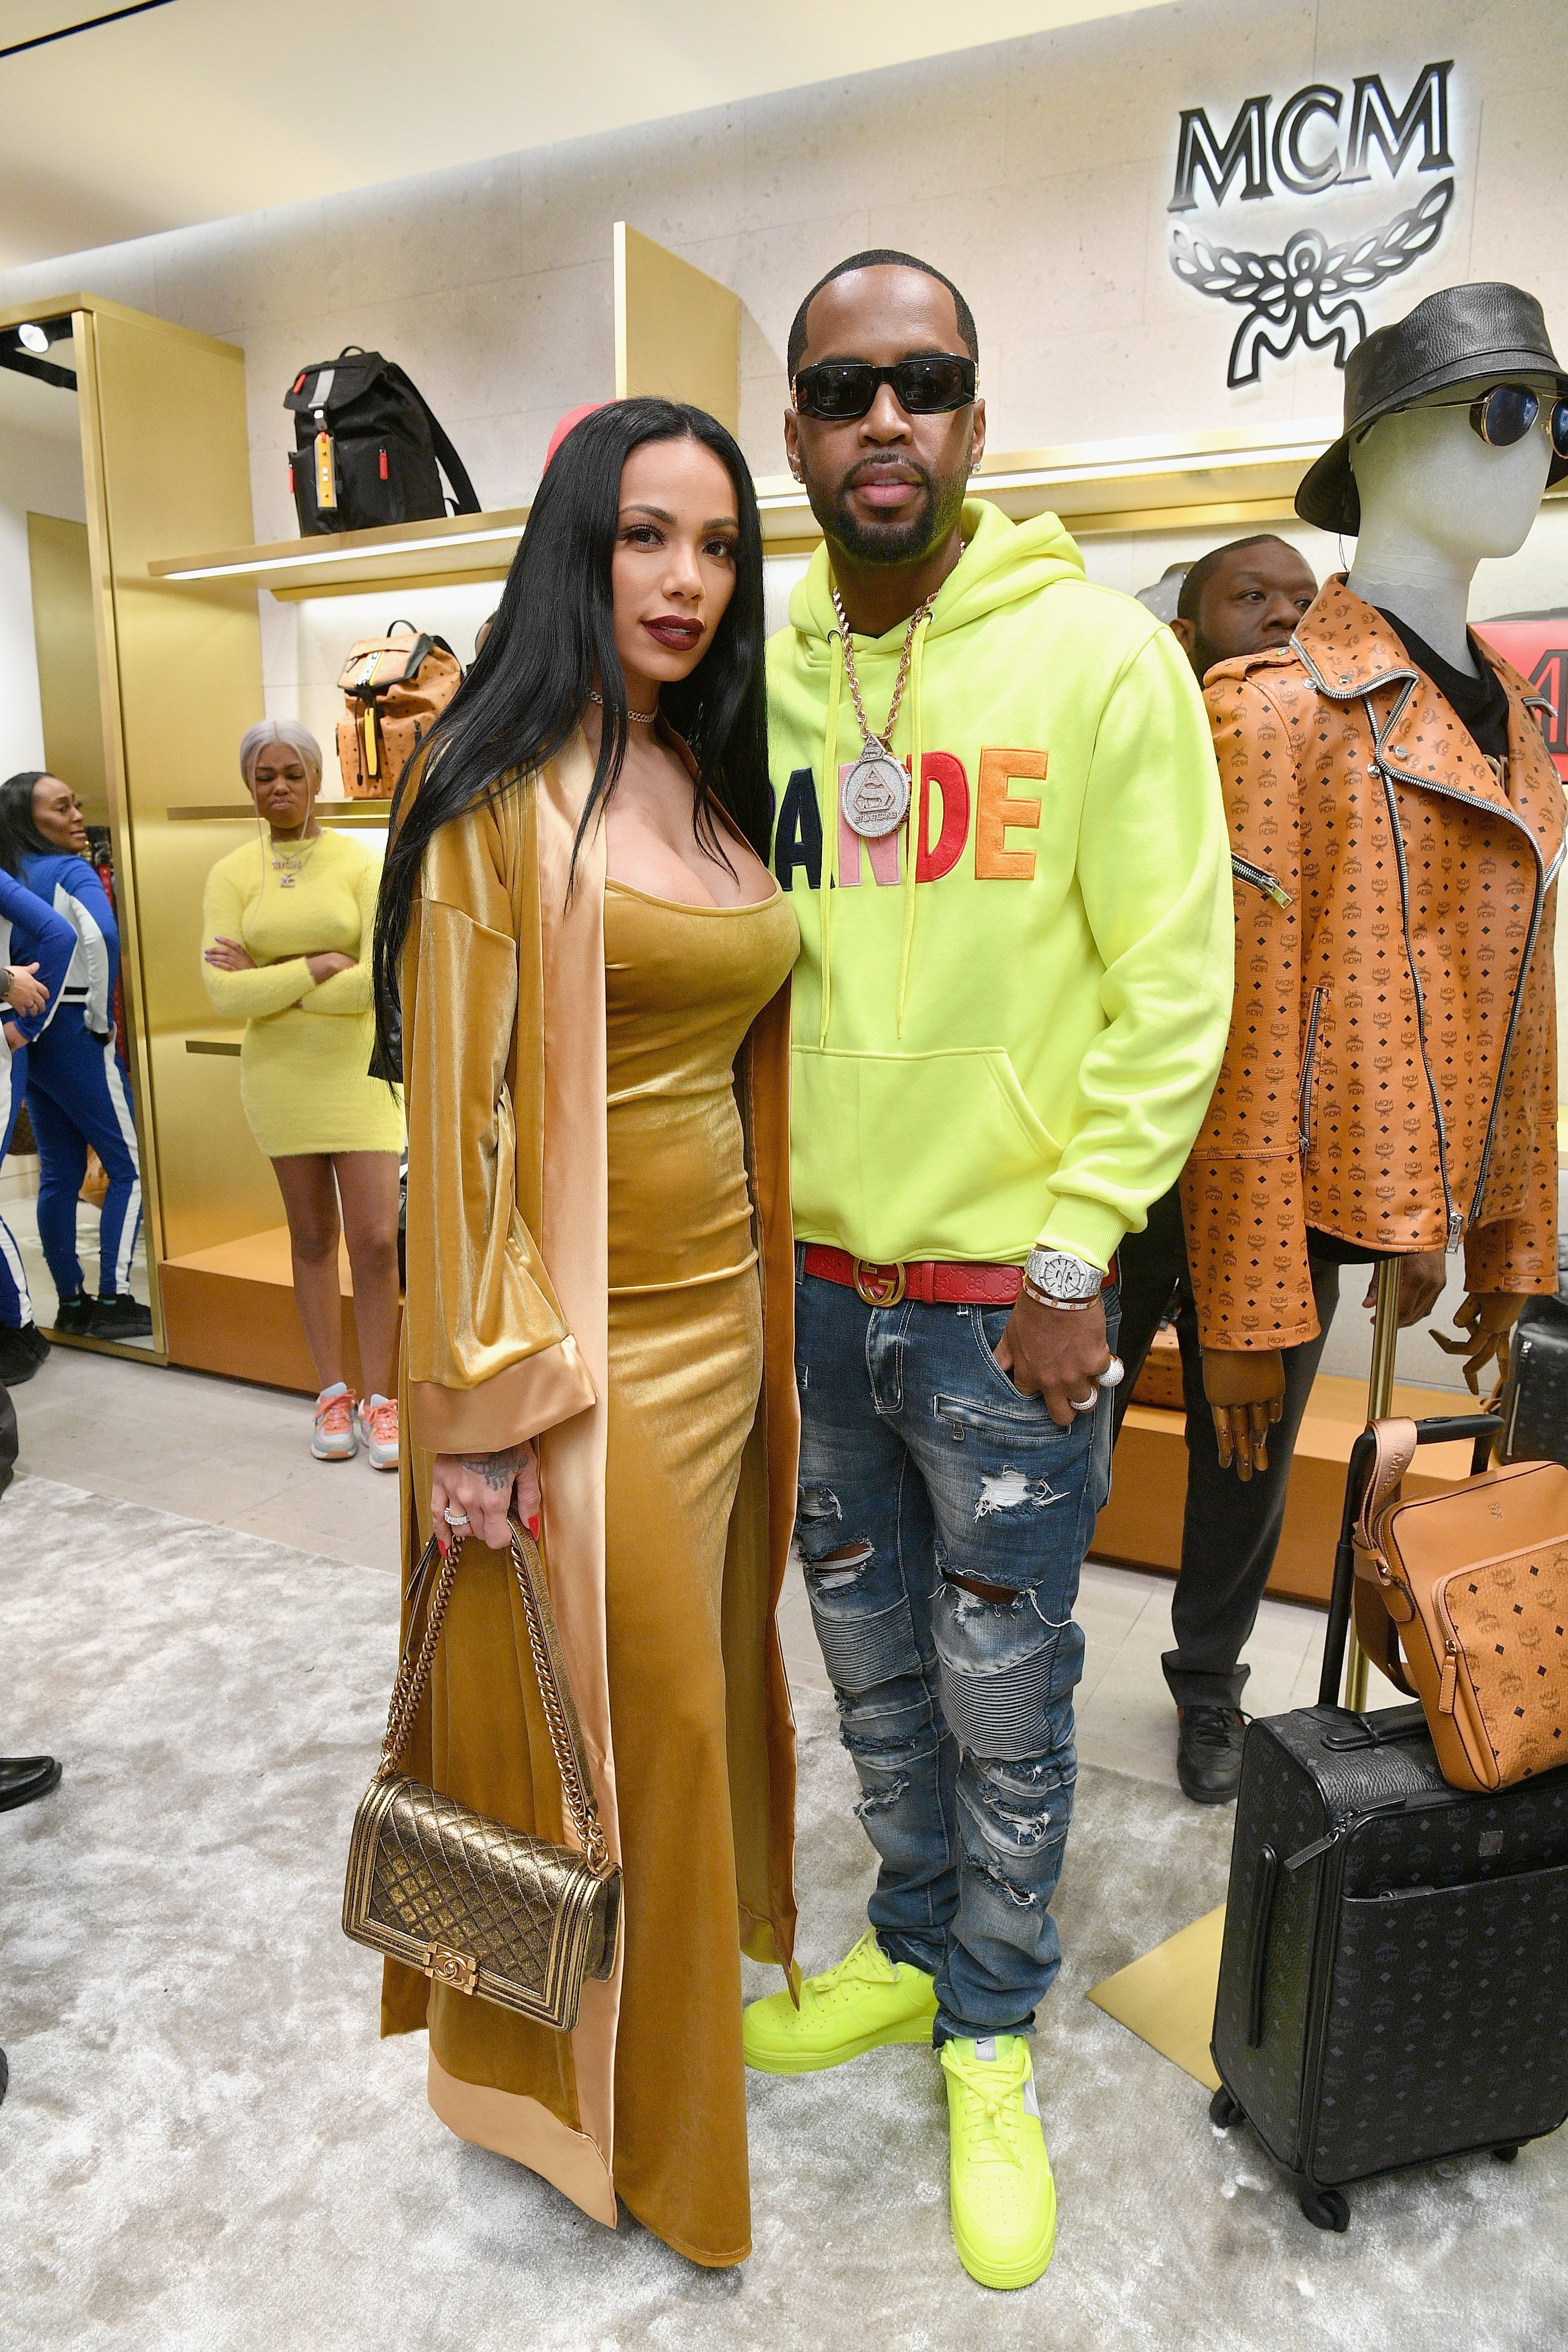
847,640
413,1673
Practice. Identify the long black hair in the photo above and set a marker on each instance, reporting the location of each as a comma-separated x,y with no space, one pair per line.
554,639
20,836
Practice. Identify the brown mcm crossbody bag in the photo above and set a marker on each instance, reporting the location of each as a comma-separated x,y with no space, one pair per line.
1472,1585
473,1904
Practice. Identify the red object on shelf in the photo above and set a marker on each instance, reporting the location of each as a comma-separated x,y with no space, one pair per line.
1537,648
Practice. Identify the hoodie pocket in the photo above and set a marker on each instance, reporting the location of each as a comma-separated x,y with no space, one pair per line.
938,1154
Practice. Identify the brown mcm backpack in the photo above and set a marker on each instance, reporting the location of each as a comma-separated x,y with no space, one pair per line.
1471,1584
396,688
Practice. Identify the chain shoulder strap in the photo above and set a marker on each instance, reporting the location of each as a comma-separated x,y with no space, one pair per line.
555,1689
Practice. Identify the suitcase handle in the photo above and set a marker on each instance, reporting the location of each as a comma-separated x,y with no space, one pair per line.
1265,1879
1443,1430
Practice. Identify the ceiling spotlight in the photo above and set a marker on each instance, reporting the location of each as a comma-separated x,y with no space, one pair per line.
33,338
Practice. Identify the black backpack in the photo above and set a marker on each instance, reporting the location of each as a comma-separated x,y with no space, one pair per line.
367,447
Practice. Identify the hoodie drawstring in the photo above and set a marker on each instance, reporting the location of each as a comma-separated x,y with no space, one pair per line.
912,824
828,819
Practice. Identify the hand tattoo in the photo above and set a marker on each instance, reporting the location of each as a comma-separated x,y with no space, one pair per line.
497,1470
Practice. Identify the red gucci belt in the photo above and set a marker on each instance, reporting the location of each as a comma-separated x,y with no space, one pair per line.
931,1281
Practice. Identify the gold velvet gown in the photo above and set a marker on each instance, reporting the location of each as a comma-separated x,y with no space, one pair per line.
682,986
598,1142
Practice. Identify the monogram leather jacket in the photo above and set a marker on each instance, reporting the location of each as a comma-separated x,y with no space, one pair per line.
1391,1074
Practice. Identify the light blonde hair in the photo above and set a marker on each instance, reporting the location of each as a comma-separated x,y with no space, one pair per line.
298,737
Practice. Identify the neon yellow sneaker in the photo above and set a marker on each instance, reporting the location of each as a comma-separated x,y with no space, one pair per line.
1003,2200
866,2000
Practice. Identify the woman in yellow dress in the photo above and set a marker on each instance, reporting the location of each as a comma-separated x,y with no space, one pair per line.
287,929
592,961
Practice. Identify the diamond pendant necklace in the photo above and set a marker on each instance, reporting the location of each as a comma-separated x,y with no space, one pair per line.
875,793
288,867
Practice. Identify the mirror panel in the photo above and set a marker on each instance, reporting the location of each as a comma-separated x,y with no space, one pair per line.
70,1181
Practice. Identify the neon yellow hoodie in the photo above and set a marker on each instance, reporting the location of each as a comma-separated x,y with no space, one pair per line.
1015,1039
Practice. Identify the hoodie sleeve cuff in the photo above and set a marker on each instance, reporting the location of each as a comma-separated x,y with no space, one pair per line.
1088,1228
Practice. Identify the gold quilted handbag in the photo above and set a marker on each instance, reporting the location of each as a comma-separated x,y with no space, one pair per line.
486,1909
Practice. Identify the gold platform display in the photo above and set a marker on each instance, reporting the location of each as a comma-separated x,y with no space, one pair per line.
1167,1997
1140,1526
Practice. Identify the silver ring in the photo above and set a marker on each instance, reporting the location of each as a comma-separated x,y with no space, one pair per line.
455,1518
1114,1375
1087,1406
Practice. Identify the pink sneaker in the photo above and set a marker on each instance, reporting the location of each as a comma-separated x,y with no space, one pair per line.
378,1427
332,1439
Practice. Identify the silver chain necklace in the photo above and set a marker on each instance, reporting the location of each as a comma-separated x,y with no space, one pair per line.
639,718
875,793
289,867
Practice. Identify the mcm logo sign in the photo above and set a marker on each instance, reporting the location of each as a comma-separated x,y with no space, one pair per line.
1307,294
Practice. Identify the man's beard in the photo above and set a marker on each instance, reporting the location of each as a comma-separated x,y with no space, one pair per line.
905,541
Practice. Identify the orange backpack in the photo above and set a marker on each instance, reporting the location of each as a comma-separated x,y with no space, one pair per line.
396,688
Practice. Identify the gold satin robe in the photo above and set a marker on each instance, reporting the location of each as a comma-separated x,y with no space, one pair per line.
506,1336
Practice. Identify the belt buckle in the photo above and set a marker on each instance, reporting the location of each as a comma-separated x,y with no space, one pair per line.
898,1281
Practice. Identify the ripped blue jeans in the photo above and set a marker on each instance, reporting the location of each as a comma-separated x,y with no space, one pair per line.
919,1457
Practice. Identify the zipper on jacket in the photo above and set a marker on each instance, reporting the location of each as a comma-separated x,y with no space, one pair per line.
1260,879
1525,959
1456,1222
1304,1092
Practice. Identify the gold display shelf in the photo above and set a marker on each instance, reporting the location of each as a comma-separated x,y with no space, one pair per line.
346,814
1243,473
448,546
214,1041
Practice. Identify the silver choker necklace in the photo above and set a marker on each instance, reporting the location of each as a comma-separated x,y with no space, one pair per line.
638,718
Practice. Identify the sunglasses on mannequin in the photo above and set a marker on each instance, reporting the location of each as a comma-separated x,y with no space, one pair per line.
839,391
1503,416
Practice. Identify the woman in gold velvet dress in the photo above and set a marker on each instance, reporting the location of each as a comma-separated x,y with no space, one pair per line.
593,966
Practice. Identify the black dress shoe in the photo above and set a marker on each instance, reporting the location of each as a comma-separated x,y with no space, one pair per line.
1208,1753
23,1778
122,1318
73,1316
21,1353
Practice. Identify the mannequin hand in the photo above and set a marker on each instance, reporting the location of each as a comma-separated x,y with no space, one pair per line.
323,966
1422,1277
26,994
1246,1389
1055,1352
227,955
14,1037
1486,1317
484,1485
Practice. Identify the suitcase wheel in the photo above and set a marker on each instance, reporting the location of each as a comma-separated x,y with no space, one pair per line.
1505,2154
1224,2110
1326,2208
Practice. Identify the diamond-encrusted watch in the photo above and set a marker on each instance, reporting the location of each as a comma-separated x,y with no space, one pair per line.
1058,1274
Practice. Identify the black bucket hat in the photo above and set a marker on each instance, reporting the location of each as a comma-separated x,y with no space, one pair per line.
1459,336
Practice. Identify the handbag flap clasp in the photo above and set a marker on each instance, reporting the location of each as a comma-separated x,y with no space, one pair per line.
459,1970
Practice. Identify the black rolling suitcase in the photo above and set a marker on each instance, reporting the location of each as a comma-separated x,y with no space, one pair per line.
1394,1981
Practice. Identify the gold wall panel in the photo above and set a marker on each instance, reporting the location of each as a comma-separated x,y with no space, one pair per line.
677,331
66,643
166,440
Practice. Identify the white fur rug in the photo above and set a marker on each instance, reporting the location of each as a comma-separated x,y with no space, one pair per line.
205,2148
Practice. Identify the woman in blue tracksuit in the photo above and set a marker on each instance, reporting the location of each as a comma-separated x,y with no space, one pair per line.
79,1089
36,948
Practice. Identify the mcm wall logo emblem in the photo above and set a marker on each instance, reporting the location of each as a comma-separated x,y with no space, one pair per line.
1308,295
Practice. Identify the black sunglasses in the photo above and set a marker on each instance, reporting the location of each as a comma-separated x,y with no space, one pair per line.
1503,416
842,390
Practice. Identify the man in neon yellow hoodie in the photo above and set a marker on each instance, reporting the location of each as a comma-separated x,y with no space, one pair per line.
999,822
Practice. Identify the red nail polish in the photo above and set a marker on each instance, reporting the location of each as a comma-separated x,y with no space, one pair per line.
533,1526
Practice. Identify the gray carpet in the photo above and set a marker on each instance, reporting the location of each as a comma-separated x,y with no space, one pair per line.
205,2146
